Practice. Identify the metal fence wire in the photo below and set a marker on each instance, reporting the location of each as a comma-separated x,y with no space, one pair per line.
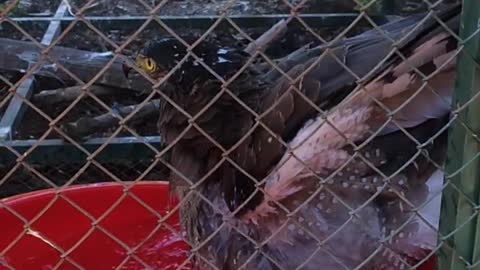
300,147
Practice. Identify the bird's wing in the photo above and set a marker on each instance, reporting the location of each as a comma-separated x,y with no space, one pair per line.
326,148
323,145
324,83
368,49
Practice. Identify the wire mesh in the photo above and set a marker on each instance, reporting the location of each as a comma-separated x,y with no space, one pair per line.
287,149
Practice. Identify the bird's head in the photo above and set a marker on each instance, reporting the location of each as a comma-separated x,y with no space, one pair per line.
161,56
158,57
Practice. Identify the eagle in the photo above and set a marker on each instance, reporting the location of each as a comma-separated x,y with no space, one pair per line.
321,161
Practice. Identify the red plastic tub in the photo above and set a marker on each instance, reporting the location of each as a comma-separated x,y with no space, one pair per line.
56,227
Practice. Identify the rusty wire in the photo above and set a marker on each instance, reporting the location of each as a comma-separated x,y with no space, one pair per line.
295,87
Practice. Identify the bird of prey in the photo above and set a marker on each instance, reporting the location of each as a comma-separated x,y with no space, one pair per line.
318,167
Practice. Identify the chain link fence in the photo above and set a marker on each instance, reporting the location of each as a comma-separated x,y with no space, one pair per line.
338,141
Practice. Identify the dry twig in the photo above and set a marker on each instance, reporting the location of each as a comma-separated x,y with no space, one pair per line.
89,125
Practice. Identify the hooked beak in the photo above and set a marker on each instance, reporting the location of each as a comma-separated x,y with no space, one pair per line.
126,69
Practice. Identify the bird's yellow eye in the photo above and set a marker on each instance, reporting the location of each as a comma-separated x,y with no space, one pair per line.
149,64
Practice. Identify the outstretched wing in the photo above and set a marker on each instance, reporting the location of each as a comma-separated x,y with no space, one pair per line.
323,144
325,147
324,80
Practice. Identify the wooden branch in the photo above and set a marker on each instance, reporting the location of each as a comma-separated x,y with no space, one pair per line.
89,125
16,55
51,97
262,42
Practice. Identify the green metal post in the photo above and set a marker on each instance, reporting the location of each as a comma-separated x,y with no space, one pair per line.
459,217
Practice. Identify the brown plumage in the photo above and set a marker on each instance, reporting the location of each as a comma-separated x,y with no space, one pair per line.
322,147
224,211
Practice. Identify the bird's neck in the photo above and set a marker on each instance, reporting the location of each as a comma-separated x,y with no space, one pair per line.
225,107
